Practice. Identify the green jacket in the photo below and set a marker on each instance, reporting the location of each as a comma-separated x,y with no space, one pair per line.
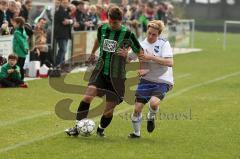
20,43
4,74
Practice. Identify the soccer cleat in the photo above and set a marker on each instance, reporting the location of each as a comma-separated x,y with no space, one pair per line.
100,132
24,85
72,131
133,136
150,125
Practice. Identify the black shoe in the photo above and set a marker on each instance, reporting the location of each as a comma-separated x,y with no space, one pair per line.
100,132
133,136
150,125
72,131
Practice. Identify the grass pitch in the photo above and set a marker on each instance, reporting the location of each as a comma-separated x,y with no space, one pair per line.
199,118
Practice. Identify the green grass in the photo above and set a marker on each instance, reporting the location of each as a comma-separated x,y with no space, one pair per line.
30,128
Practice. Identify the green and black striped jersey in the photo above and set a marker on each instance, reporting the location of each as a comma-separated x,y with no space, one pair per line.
109,42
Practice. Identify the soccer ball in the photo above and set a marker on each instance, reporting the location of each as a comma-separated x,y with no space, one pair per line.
85,127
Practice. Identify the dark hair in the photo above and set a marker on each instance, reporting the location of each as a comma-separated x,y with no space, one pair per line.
20,21
42,19
115,13
28,2
12,57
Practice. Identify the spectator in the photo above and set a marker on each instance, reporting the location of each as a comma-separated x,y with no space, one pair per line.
62,32
4,17
57,4
20,43
102,13
40,41
162,12
10,73
26,8
73,10
17,9
92,18
81,17
10,11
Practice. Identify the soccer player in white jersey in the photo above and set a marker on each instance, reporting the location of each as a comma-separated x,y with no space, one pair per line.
156,77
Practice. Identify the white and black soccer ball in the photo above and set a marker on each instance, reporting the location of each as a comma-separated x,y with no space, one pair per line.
86,127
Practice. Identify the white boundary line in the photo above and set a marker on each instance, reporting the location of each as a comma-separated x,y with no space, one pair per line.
12,147
7,123
203,84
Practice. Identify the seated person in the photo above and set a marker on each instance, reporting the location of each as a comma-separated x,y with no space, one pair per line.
10,73
40,50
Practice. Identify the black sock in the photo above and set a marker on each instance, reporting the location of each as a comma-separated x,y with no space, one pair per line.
105,121
82,110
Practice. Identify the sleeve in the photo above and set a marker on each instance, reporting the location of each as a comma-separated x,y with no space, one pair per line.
3,73
167,50
18,73
135,45
59,18
99,33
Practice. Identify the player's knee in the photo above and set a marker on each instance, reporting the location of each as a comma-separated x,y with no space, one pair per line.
154,102
137,110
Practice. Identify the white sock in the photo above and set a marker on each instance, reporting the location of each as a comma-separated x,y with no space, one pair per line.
152,113
136,124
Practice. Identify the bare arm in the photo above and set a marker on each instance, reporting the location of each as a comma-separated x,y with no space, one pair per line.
95,47
92,57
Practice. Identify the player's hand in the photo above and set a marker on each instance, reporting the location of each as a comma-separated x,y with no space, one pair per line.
76,25
65,22
142,72
122,52
10,71
91,59
145,57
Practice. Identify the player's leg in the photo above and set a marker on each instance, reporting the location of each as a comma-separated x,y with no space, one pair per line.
143,94
84,105
5,82
153,109
106,117
158,93
83,108
136,118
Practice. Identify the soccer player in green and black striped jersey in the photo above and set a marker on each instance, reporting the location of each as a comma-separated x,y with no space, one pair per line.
108,77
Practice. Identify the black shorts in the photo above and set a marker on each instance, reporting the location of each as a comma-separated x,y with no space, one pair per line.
105,86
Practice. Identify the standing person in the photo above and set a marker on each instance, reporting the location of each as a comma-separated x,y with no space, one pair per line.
4,17
81,17
20,43
109,74
156,77
62,31
26,8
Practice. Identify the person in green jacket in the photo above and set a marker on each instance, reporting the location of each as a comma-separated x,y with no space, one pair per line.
20,43
10,73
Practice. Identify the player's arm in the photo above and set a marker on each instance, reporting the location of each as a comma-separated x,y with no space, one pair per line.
95,46
165,61
92,57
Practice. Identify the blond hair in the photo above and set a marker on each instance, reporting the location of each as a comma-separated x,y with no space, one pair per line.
156,24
